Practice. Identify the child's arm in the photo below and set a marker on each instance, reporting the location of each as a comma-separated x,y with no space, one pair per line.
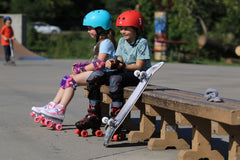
5,38
137,66
119,64
82,67
91,67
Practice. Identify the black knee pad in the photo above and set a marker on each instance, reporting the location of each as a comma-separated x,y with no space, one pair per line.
96,77
116,87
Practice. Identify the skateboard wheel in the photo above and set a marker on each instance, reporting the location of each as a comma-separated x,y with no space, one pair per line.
32,114
105,120
143,74
37,119
137,73
98,133
84,133
58,127
48,123
77,131
110,122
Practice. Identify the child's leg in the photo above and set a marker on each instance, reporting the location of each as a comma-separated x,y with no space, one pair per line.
7,53
116,91
117,82
59,95
64,96
93,118
67,96
68,84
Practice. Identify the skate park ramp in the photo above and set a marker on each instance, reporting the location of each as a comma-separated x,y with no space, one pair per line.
21,52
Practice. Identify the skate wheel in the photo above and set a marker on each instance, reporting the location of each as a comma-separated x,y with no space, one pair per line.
84,133
32,114
48,123
105,120
137,73
58,127
41,117
77,131
98,133
37,119
42,122
115,137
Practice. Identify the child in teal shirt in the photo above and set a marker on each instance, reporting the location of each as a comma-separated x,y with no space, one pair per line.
133,53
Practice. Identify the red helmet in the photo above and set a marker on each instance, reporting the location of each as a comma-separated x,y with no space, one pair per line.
130,18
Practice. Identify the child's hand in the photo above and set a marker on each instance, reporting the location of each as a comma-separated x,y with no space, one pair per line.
73,68
6,39
110,63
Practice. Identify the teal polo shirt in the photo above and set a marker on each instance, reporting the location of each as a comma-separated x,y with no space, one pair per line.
130,53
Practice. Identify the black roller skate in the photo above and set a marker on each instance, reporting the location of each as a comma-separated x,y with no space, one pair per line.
119,135
92,120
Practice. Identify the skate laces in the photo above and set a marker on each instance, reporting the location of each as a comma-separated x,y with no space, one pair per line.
59,108
49,105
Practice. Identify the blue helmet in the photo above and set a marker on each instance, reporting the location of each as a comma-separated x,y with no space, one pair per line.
98,18
7,18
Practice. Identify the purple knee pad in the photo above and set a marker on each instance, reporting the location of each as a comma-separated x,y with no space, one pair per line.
98,64
80,67
68,81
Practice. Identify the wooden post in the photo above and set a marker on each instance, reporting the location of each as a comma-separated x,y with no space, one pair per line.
147,127
201,141
168,136
234,141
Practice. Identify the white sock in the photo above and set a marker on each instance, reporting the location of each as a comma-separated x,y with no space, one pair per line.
61,105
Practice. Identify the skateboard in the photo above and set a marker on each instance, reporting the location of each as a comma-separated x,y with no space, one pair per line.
113,124
12,53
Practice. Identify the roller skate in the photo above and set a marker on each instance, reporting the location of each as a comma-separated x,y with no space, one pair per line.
53,118
36,112
91,120
119,135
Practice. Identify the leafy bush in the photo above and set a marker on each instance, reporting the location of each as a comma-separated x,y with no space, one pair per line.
68,45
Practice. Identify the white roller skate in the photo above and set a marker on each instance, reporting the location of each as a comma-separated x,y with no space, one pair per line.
36,112
54,117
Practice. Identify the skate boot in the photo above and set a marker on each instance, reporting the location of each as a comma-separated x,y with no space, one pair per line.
54,117
119,135
91,120
36,112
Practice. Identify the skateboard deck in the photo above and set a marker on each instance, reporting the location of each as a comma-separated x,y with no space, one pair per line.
113,124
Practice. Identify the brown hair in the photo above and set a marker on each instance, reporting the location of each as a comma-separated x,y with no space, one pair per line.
102,35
